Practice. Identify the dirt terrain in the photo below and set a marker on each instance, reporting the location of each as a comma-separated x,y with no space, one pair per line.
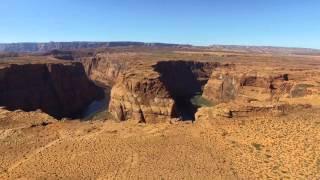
257,118
257,147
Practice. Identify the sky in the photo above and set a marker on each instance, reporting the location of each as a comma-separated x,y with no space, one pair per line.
291,23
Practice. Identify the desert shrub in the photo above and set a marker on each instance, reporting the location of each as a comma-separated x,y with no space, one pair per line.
200,101
257,146
300,90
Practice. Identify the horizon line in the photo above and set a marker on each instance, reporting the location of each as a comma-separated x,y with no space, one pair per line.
155,42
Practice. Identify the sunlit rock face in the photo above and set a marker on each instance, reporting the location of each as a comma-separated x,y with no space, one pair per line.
161,92
154,91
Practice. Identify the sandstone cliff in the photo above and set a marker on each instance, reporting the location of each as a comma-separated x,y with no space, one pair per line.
165,91
159,91
105,68
153,90
229,83
244,92
61,90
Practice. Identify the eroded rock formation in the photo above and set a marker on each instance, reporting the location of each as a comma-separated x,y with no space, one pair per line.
241,92
156,90
165,91
105,69
223,85
159,93
61,90
228,84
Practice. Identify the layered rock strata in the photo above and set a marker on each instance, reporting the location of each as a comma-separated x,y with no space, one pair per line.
153,94
60,89
105,68
155,91
246,92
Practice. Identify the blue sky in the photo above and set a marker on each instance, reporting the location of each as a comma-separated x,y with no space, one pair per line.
294,23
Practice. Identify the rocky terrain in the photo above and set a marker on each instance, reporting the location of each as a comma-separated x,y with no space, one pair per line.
157,90
179,114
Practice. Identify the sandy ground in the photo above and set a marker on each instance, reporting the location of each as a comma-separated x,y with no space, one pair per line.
285,147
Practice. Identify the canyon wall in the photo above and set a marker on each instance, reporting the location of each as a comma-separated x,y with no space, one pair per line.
165,91
61,90
159,91
244,92
230,84
144,99
156,91
104,69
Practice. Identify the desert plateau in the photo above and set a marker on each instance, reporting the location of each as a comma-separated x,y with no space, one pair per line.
126,110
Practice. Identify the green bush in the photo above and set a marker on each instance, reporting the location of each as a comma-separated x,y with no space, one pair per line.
200,101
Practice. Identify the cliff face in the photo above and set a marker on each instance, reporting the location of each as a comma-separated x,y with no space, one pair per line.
104,70
61,90
243,92
230,84
184,80
144,99
223,85
160,91
155,91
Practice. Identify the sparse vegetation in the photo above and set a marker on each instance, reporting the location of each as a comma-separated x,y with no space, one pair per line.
300,90
257,146
200,101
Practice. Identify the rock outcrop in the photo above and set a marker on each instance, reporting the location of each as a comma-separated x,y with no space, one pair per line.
156,90
61,90
245,110
223,85
229,84
245,92
145,100
165,91
159,93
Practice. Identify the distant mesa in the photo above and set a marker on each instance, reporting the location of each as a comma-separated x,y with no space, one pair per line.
31,47
50,46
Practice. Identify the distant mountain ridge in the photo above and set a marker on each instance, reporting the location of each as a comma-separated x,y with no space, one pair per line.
45,47
267,49
49,46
